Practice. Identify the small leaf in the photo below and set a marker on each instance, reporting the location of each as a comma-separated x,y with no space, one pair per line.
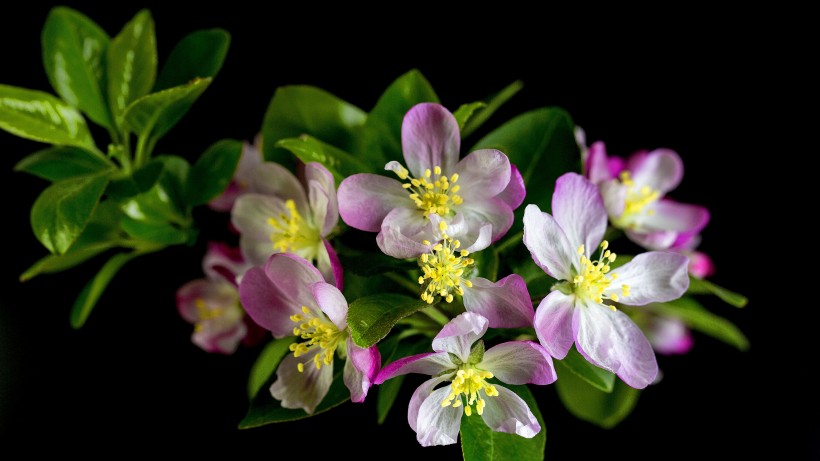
465,112
74,48
487,263
155,114
484,113
338,162
693,314
213,171
62,211
41,117
598,378
593,405
58,163
266,364
199,54
94,289
367,264
297,110
700,286
372,317
389,390
132,63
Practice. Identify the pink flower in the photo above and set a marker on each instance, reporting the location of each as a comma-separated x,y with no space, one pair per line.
250,159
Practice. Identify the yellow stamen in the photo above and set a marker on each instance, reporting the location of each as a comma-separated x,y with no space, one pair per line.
291,234
593,280
470,382
444,269
637,202
432,193
319,332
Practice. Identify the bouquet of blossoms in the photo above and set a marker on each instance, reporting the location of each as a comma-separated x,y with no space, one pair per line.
365,246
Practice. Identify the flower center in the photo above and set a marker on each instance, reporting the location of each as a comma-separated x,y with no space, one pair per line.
637,200
443,269
316,332
290,232
433,193
470,383
207,312
593,279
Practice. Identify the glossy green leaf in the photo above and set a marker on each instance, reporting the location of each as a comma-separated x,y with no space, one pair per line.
142,180
700,286
487,263
58,163
266,364
492,104
480,443
264,409
213,171
693,314
199,54
372,317
596,377
541,143
465,112
153,115
56,263
131,63
297,110
389,390
593,405
367,264
157,232
94,289
41,117
338,162
381,139
74,49
62,211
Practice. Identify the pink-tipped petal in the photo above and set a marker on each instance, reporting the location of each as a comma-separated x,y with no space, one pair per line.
519,362
458,336
553,323
597,164
272,179
360,369
332,302
578,207
403,232
419,396
680,217
366,199
437,425
428,363
327,261
614,195
653,277
477,214
515,192
324,205
661,170
430,138
507,412
701,265
306,389
222,261
265,304
250,216
482,174
657,240
669,336
612,341
548,245
505,304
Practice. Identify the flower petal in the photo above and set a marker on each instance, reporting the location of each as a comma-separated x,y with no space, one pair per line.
669,336
419,396
614,195
578,207
548,245
482,174
428,363
269,178
332,302
505,304
515,191
327,261
437,425
210,292
250,216
248,161
460,333
680,217
402,232
478,214
553,323
366,199
324,209
360,369
458,228
612,341
224,262
305,390
661,170
430,138
656,276
507,412
597,164
519,362
657,240
701,265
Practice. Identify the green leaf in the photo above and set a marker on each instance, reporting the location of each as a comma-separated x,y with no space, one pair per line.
541,143
264,366
74,49
142,180
693,314
579,366
338,162
153,115
213,171
487,263
94,289
367,264
466,111
62,211
700,286
492,104
389,390
58,163
372,317
56,263
41,117
199,54
297,110
132,63
593,405
480,443
382,132
264,409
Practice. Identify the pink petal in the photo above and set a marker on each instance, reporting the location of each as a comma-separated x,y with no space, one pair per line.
419,396
327,261
332,302
614,195
653,277
273,179
701,265
437,425
669,336
515,192
360,369
482,174
322,197
460,333
366,199
250,216
477,214
578,207
597,164
222,261
655,240
403,231
305,390
661,170
553,323
430,138
548,245
505,304
519,362
507,412
428,363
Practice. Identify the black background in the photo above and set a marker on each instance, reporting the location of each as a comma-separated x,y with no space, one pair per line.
131,374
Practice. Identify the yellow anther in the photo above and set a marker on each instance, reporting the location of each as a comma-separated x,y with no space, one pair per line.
593,281
427,173
317,332
466,388
437,170
290,233
431,193
443,271
442,226
636,203
581,250
604,244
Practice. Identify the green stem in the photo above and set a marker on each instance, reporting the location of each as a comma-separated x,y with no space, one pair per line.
436,315
403,281
510,242
141,154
